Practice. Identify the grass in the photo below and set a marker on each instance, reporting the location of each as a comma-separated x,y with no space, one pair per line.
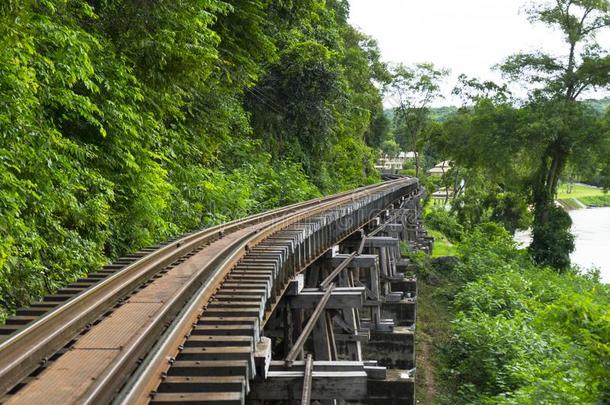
586,195
433,330
570,203
579,190
596,200
442,246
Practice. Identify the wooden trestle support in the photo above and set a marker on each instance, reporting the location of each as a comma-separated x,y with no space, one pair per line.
352,310
307,304
322,311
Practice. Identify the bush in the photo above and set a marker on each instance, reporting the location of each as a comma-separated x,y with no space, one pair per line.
525,334
407,172
125,123
484,351
552,241
495,294
489,248
510,210
444,222
421,260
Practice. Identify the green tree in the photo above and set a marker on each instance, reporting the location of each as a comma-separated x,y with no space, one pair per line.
414,89
485,143
390,148
124,123
559,127
320,97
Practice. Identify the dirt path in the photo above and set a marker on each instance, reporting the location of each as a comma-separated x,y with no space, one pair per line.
433,327
427,391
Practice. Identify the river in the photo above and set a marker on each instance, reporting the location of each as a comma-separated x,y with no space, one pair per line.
591,228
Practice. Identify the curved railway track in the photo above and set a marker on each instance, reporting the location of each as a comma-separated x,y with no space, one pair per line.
180,320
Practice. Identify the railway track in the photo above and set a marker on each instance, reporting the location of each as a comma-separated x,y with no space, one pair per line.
179,322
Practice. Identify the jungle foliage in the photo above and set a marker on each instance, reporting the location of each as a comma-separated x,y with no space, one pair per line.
124,123
497,148
553,130
510,153
525,334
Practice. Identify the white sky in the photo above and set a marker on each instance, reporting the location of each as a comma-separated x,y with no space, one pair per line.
465,36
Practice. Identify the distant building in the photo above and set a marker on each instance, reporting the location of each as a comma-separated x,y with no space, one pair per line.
441,196
406,155
440,169
388,164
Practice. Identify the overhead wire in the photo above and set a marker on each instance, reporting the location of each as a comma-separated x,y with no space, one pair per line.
266,97
266,101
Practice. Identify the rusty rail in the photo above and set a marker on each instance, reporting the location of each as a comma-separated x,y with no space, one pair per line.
149,374
23,352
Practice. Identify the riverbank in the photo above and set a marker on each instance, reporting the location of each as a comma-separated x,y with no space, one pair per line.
582,196
492,327
591,230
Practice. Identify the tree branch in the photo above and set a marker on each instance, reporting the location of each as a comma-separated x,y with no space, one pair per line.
580,90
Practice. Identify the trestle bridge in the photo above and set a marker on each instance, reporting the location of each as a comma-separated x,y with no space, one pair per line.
310,303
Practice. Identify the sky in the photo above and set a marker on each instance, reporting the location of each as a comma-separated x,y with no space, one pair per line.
465,36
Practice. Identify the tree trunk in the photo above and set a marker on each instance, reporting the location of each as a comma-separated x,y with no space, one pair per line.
548,232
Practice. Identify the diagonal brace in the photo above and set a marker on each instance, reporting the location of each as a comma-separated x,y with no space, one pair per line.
298,345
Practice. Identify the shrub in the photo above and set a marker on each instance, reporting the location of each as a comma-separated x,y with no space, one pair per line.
552,241
489,248
525,334
444,222
503,294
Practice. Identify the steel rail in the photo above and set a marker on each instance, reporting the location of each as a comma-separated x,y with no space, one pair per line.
110,381
149,374
307,381
30,347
